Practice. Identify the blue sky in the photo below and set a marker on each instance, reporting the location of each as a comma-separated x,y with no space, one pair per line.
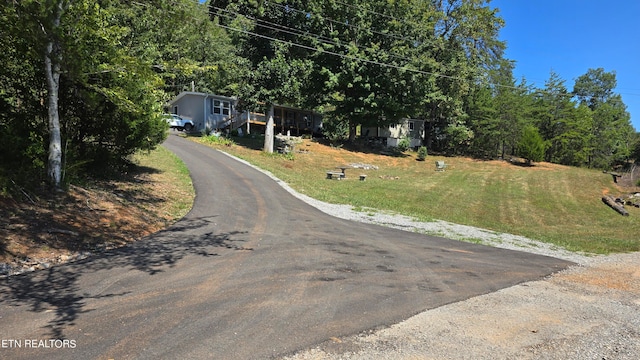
572,36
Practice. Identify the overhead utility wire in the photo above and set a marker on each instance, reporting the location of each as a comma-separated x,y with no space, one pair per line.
298,32
370,11
347,56
376,62
391,35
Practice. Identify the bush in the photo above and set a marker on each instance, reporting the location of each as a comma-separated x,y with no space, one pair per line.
422,153
404,144
207,131
218,139
531,146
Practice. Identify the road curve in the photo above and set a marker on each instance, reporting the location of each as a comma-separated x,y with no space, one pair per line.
250,273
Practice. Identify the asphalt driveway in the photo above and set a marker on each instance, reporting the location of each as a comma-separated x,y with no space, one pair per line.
250,273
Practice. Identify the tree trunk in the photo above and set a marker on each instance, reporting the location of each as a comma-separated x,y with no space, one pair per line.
52,61
248,122
352,130
268,132
614,205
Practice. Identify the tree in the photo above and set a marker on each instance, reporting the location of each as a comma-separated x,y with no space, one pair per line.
554,112
531,146
513,103
52,64
483,121
573,141
103,98
274,81
276,70
635,153
611,131
595,87
350,79
179,40
463,44
23,125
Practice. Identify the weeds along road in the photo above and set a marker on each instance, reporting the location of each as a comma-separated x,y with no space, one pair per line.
250,273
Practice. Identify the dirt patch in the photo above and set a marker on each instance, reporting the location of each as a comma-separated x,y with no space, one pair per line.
46,229
622,275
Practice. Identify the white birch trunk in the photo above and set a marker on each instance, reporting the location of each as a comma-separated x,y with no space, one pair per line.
248,122
52,69
268,132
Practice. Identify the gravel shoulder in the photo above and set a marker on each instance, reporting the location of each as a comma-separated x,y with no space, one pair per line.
588,311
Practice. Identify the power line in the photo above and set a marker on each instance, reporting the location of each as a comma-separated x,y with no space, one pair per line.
308,13
356,58
297,32
350,56
288,8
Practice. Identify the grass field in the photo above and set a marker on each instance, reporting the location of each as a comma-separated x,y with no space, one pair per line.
552,203
169,170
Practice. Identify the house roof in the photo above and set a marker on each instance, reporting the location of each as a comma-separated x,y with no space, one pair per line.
204,95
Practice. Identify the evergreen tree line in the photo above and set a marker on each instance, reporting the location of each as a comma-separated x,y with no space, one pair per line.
84,82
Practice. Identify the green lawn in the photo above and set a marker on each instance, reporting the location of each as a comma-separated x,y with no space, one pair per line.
547,202
172,181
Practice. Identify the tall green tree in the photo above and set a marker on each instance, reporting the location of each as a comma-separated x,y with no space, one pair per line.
463,43
179,40
375,62
483,121
611,131
531,146
595,87
22,116
274,81
359,72
78,80
572,144
514,106
554,111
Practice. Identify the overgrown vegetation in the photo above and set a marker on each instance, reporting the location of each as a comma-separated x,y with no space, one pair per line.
218,139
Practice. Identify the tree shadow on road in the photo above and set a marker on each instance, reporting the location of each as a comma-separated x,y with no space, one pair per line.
57,289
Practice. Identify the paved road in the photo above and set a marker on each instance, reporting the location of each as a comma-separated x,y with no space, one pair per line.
250,273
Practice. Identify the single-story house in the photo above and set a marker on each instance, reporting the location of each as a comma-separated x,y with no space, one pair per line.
413,129
205,110
218,112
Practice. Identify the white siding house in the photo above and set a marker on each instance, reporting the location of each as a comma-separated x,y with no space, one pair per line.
206,110
413,129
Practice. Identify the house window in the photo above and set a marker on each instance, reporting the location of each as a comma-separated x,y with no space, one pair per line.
393,126
175,109
410,125
225,108
220,107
